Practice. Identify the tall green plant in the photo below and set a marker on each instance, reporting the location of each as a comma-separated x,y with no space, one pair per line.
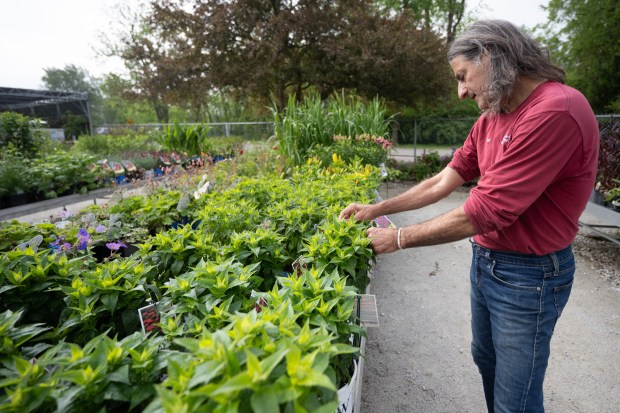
188,139
15,129
302,125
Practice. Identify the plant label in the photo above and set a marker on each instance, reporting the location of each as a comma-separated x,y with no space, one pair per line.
260,302
365,310
149,318
384,222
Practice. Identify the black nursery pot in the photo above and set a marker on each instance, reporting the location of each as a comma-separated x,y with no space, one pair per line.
101,252
14,200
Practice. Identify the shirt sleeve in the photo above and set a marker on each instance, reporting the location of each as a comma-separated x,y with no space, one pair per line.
465,159
539,148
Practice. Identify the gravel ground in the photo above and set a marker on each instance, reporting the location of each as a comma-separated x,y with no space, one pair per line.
602,256
418,360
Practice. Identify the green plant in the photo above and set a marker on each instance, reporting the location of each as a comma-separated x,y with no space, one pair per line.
16,130
14,169
188,139
107,145
303,125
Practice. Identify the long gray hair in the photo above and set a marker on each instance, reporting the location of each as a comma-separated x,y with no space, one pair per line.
512,54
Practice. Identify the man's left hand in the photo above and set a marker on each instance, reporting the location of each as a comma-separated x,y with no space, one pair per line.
383,239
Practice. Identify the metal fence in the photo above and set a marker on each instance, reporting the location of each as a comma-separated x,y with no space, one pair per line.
434,131
246,130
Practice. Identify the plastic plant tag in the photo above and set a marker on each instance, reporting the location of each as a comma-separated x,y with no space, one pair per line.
204,189
149,318
365,310
129,166
183,203
260,302
117,168
299,265
384,222
384,171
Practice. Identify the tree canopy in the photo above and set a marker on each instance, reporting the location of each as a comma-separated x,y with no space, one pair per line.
585,36
76,79
265,49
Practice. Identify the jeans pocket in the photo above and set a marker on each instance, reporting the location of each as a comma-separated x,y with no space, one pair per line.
524,278
561,294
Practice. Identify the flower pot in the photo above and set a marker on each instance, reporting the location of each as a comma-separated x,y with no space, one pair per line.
14,200
101,252
347,393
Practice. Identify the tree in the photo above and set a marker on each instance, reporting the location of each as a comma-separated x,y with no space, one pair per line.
444,16
276,48
584,35
160,73
76,79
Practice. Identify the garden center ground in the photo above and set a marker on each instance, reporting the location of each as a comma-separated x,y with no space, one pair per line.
419,360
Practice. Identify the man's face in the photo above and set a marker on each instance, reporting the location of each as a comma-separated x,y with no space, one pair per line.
471,75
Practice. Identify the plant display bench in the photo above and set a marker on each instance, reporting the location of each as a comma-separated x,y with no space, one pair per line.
604,217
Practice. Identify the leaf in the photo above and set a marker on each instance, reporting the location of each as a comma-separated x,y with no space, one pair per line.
176,267
109,301
118,392
314,378
121,375
264,400
240,382
204,372
64,400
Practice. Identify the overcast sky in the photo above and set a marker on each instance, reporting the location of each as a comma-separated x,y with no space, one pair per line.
38,34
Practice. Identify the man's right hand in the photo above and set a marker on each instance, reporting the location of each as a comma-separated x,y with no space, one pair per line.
360,212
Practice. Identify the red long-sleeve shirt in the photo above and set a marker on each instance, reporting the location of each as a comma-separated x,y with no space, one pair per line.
537,166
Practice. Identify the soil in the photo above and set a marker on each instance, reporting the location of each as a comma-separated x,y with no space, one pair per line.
419,359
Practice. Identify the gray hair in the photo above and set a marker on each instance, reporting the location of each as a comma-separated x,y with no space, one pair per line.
512,54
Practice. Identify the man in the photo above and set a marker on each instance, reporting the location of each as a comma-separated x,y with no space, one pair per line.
535,150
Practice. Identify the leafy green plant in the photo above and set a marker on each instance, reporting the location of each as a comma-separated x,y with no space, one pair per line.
14,169
301,126
16,130
241,323
106,145
188,139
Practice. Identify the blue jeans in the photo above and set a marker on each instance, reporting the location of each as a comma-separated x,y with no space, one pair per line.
516,300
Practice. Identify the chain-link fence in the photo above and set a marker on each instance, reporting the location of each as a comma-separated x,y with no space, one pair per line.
451,131
423,131
246,130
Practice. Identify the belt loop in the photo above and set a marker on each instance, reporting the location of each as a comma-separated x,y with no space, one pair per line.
556,264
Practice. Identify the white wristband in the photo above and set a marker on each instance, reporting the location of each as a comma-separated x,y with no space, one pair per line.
398,239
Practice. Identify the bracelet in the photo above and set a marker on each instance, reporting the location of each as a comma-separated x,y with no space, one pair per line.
398,239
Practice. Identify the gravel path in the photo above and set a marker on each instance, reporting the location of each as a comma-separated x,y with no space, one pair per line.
418,360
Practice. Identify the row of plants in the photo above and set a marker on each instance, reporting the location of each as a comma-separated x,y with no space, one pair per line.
59,171
254,277
24,179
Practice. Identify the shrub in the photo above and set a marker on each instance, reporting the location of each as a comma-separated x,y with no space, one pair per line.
15,129
609,158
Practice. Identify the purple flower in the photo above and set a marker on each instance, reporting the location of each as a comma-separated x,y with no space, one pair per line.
64,214
83,238
114,246
100,229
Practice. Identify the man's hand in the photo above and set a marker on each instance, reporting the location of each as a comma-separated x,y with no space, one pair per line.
360,212
383,239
